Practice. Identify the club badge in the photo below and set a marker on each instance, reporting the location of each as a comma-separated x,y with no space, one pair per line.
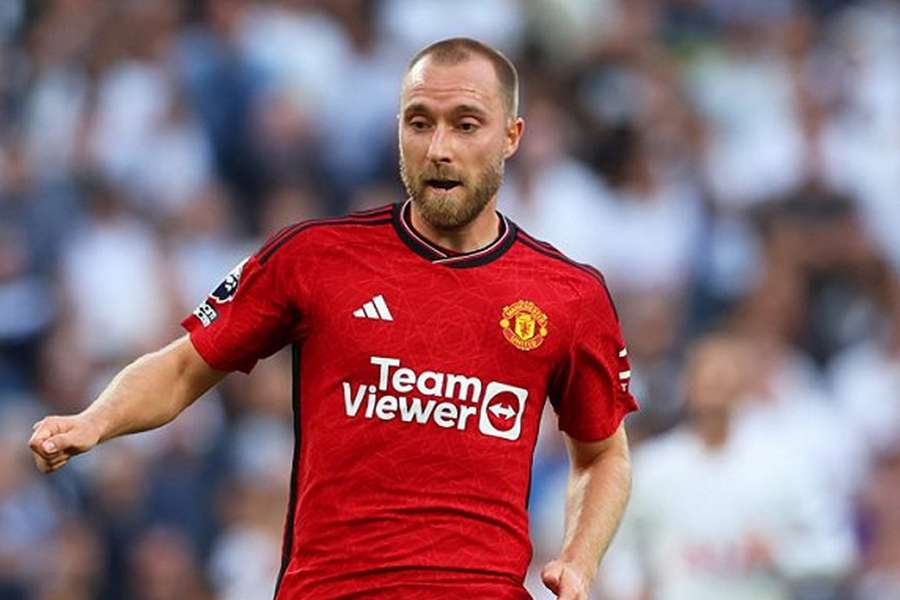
524,325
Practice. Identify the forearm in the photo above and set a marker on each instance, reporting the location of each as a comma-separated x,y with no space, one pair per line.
596,497
149,392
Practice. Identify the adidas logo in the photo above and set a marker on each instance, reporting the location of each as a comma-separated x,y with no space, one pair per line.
376,309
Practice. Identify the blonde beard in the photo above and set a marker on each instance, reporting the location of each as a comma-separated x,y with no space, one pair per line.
447,214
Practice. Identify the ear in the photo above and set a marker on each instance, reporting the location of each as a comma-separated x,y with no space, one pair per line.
514,131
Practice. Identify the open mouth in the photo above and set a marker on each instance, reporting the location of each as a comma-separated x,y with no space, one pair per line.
442,184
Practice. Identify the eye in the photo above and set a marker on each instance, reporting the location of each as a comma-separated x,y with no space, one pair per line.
468,126
418,124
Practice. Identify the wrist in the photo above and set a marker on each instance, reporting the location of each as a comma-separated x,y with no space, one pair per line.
97,424
581,567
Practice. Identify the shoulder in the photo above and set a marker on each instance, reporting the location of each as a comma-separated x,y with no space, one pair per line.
308,236
587,281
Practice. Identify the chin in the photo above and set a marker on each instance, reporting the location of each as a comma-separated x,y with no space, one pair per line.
444,212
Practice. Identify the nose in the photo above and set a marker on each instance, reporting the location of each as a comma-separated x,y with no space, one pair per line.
439,147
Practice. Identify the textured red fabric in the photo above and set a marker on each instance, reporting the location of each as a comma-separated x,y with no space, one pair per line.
416,433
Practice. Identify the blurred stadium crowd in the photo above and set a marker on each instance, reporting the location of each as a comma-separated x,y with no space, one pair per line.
732,166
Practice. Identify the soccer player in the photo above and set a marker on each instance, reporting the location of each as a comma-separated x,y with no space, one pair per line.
426,337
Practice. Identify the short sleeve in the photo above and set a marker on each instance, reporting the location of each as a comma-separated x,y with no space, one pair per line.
590,387
252,314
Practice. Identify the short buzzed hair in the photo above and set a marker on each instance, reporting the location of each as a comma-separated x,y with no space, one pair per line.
454,51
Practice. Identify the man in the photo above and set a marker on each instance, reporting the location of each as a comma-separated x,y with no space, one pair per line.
741,518
426,336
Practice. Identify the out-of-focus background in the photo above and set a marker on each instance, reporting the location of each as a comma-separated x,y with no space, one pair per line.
732,166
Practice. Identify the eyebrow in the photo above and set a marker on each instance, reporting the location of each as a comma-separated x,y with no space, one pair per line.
469,109
421,108
417,107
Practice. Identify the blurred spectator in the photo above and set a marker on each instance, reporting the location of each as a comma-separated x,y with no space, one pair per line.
719,513
866,379
32,223
165,567
180,167
656,323
729,165
74,565
744,89
413,24
246,558
545,169
881,553
112,251
28,511
203,241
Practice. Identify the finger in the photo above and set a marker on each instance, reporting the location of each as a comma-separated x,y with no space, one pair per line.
56,460
58,445
570,586
43,465
551,577
44,430
61,458
36,444
43,446
51,425
57,465
46,446
38,435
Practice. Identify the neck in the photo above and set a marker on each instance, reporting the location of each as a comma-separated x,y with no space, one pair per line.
475,235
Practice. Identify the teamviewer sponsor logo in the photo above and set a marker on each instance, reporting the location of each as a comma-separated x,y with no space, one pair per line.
450,401
501,411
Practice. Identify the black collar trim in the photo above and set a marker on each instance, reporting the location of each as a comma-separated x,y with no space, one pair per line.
441,256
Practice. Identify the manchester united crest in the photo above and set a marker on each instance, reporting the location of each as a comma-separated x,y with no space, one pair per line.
524,325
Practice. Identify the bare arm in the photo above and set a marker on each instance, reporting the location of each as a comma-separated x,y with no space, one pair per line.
146,394
599,486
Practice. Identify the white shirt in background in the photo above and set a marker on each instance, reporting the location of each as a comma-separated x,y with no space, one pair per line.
699,517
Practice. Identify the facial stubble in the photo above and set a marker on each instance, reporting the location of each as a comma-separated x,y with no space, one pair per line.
448,213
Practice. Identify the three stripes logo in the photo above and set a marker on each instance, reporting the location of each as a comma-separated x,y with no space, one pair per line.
624,376
376,308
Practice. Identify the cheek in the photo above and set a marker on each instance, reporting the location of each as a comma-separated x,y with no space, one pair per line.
491,147
412,146
484,155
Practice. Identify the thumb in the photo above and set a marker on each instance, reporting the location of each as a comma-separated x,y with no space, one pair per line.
71,442
74,437
59,443
43,432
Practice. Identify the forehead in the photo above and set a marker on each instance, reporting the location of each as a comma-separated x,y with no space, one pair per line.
444,85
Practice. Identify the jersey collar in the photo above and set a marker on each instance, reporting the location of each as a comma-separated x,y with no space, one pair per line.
442,256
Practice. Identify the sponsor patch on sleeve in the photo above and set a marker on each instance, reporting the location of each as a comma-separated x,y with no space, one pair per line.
206,313
228,288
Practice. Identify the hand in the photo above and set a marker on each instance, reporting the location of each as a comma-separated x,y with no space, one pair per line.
57,439
565,580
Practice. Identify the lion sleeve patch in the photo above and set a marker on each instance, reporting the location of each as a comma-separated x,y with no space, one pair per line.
226,290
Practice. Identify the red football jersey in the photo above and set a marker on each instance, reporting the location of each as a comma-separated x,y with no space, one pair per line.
420,376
